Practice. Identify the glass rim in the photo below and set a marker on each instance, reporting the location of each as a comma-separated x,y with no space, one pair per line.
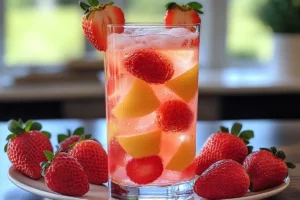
160,24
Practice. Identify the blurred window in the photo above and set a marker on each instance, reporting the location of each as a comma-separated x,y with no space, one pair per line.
48,32
39,32
248,40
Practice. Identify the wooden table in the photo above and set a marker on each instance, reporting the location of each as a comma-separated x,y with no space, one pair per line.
283,134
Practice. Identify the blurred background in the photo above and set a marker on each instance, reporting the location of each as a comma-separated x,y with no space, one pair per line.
249,59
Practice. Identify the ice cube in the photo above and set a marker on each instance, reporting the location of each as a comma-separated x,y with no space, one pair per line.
119,41
178,32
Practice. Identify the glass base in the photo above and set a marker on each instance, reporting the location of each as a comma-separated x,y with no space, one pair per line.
178,191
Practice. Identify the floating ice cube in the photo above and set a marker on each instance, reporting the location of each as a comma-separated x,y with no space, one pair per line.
119,41
178,32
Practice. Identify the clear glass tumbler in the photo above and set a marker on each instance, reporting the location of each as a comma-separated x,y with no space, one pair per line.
151,73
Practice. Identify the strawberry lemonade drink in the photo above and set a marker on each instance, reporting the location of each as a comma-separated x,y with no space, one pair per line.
151,75
151,95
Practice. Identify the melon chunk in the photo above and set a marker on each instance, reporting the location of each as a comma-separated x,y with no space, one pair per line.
185,85
184,155
139,101
141,145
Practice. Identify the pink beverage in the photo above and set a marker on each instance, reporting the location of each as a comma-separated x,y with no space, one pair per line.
152,95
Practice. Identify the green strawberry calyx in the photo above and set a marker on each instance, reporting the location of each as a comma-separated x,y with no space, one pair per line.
50,156
281,155
78,131
196,6
18,128
93,5
236,130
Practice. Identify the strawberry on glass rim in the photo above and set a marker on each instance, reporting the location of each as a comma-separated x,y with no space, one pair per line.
183,14
95,20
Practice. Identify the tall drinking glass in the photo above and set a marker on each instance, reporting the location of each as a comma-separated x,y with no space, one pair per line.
151,73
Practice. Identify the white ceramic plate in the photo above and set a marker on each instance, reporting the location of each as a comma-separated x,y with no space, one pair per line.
101,192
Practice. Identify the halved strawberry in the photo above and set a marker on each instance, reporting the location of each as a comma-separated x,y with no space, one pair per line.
95,20
149,65
174,115
183,14
144,170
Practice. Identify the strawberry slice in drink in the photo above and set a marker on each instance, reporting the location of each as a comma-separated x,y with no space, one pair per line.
96,17
144,170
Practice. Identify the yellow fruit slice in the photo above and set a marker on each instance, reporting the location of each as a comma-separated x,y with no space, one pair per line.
112,130
183,156
141,145
139,101
185,85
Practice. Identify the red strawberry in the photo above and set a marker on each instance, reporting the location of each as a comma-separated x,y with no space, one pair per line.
93,158
174,115
149,65
144,170
183,14
96,17
224,145
188,172
64,175
116,154
66,140
25,147
224,179
266,168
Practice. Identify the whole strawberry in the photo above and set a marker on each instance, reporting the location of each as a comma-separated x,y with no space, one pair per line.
64,175
224,145
266,168
93,158
66,140
222,180
25,147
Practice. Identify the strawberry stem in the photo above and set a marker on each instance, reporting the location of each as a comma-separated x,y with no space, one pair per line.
18,128
93,3
290,165
170,5
189,6
224,129
5,147
92,6
49,155
84,6
281,155
78,131
236,128
15,127
250,149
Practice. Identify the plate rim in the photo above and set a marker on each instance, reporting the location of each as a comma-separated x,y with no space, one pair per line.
266,193
49,194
